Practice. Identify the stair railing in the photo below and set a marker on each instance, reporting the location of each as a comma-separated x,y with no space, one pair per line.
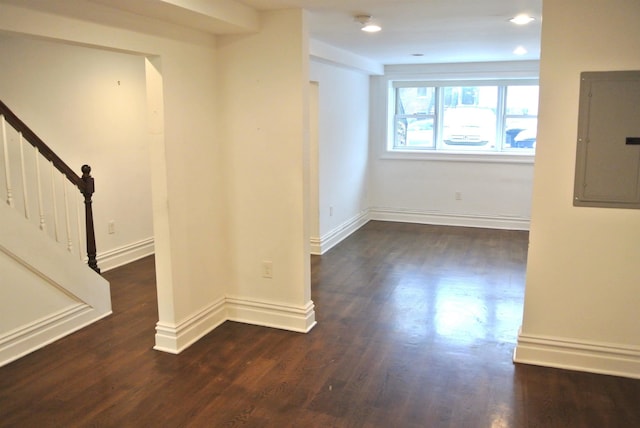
84,183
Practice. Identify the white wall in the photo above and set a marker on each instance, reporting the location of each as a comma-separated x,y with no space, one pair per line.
495,191
314,185
263,82
343,145
582,296
88,105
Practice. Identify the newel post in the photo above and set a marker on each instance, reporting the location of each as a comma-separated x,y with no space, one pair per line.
91,236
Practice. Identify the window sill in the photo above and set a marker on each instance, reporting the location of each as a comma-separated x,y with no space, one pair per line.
450,156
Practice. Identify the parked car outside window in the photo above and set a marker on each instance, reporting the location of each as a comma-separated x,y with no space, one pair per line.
469,126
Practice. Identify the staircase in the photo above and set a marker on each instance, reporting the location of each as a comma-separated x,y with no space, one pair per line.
47,291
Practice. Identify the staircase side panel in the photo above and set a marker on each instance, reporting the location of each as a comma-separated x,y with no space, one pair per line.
25,296
45,292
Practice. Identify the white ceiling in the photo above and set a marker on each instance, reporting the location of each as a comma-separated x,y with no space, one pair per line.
440,30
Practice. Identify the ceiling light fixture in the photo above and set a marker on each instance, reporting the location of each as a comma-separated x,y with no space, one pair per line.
520,50
367,24
522,19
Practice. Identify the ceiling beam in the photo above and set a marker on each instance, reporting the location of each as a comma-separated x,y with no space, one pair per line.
212,16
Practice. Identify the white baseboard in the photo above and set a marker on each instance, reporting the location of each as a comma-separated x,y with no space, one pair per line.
293,318
329,240
602,358
117,257
449,219
17,343
320,245
175,338
316,246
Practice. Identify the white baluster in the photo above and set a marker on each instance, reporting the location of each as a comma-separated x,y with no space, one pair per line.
54,200
24,178
39,183
7,170
66,212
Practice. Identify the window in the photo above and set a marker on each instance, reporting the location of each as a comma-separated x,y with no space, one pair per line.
415,117
471,118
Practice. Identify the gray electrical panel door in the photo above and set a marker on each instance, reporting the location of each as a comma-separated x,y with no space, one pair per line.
608,150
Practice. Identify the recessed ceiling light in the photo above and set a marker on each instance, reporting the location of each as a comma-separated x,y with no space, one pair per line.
520,50
371,28
368,25
522,19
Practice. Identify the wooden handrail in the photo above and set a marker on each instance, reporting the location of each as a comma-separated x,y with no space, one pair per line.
85,183
44,150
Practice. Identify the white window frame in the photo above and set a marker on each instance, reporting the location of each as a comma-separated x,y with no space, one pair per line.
440,152
510,72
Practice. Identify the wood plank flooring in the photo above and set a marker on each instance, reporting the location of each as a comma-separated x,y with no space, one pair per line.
416,328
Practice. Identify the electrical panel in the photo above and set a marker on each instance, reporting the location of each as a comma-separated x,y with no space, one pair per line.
608,148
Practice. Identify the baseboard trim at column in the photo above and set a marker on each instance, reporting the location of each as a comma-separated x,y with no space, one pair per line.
293,318
593,357
174,338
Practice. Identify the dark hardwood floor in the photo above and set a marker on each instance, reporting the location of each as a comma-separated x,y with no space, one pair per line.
416,328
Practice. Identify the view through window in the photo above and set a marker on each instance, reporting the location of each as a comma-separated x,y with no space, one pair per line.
498,118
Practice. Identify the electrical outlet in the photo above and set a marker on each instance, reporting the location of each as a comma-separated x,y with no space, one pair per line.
111,227
458,196
330,211
267,269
